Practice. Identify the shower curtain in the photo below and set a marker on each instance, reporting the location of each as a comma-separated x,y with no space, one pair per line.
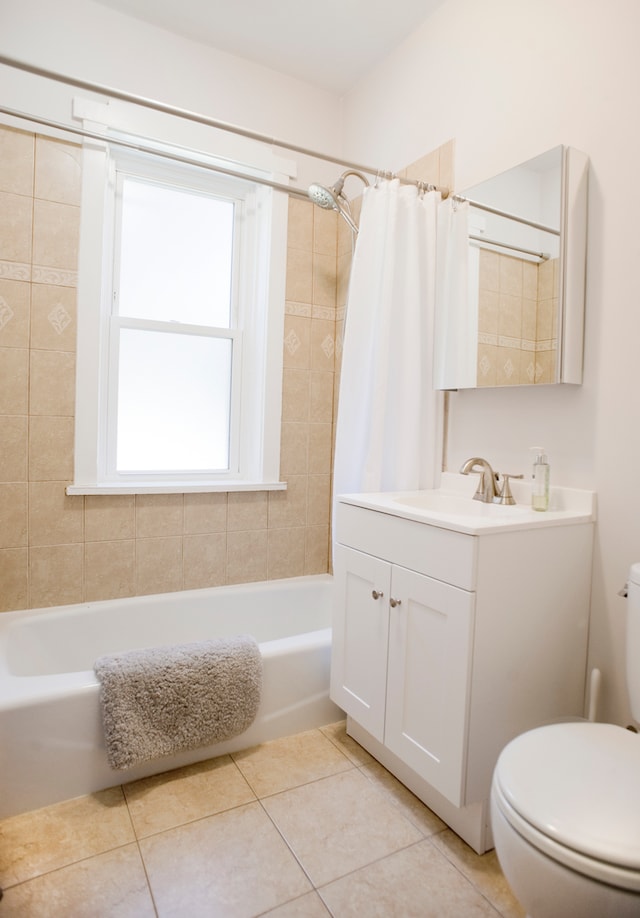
389,427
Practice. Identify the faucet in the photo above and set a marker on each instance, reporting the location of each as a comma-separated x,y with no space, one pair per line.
487,485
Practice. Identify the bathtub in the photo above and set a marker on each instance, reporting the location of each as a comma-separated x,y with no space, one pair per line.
51,738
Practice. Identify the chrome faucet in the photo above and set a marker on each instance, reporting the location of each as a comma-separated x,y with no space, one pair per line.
487,485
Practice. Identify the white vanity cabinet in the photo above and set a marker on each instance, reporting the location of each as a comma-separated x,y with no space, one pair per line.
447,644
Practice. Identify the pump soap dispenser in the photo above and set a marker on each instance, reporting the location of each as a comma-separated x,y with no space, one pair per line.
540,483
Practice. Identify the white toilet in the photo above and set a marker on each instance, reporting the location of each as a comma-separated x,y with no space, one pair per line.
565,808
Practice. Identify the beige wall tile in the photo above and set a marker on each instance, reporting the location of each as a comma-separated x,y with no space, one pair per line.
159,515
530,280
488,311
294,448
15,227
205,512
324,280
299,283
158,565
13,515
55,517
109,570
52,383
16,161
204,560
487,367
508,366
14,577
109,517
14,380
323,344
320,448
14,313
295,395
489,271
288,508
325,232
56,229
316,550
300,228
510,316
51,449
55,575
321,385
297,337
546,279
318,500
286,553
58,172
247,510
53,318
246,556
425,169
13,448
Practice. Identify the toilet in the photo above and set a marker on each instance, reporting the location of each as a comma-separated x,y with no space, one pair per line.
565,808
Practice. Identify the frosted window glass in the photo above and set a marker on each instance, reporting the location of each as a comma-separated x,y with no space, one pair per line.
175,255
173,402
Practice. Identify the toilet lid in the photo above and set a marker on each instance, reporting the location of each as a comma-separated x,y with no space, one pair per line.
579,785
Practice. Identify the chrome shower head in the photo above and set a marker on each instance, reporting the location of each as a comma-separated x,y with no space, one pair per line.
323,197
333,198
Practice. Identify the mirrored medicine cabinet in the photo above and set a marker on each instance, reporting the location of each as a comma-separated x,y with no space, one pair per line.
522,321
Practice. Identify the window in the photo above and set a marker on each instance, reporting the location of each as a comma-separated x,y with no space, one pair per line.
181,302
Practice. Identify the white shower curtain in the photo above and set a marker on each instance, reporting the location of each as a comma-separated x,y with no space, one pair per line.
389,424
456,329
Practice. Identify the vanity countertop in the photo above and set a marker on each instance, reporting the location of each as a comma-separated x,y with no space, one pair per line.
452,506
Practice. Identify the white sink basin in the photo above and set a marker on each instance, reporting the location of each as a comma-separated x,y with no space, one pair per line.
453,507
458,505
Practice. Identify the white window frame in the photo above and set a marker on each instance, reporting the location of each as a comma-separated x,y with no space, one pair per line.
262,264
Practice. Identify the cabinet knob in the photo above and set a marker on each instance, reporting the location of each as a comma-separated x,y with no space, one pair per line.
376,594
394,602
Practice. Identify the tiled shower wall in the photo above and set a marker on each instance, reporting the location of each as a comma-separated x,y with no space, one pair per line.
59,549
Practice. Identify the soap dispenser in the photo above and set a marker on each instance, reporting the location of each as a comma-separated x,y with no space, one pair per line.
540,483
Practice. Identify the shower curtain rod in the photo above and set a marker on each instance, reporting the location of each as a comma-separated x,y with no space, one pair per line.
200,119
163,154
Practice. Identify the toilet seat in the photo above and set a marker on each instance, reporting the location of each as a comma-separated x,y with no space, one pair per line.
572,790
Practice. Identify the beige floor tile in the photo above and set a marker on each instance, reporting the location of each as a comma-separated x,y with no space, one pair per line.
233,864
35,843
418,882
413,808
482,870
289,762
337,733
176,797
309,906
111,884
339,824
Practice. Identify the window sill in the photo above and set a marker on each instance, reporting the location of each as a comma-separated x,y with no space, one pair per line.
177,487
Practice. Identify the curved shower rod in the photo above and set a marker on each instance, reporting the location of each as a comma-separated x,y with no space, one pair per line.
196,117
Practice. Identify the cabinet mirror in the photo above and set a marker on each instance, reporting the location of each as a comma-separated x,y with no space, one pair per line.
522,321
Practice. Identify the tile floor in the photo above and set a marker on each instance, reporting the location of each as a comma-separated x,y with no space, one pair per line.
302,827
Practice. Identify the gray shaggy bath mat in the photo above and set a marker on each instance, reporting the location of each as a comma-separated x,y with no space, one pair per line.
164,700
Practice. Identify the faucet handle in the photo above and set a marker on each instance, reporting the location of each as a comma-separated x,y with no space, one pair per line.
505,496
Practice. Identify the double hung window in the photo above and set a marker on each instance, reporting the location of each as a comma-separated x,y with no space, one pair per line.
181,301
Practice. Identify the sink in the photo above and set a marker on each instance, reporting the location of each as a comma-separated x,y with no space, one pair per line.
450,503
452,507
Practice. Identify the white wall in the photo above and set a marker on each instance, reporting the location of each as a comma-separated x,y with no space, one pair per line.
508,79
91,42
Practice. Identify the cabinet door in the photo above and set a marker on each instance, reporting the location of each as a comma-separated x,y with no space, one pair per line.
430,635
360,637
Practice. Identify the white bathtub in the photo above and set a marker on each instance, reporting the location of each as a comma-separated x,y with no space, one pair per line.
51,739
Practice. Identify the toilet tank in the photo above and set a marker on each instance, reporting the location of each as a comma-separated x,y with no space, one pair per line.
633,641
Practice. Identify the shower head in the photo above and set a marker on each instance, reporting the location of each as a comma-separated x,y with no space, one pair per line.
323,197
333,198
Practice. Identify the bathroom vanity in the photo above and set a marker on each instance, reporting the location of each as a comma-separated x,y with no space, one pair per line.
458,625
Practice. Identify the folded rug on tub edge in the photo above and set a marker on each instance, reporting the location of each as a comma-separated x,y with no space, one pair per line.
162,700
